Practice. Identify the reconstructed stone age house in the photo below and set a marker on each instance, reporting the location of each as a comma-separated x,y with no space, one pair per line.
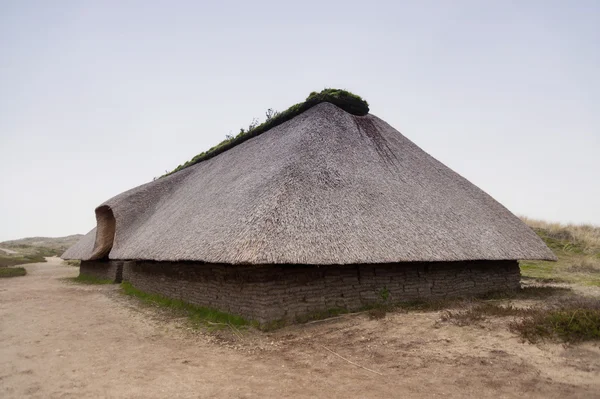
329,209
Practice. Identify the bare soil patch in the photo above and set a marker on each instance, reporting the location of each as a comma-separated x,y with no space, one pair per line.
62,339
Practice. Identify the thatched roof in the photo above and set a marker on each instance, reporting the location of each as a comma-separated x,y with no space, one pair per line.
326,187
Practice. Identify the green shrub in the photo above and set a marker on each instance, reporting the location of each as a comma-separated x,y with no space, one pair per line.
347,101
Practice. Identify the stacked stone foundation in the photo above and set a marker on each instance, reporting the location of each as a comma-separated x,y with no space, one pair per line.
103,269
268,293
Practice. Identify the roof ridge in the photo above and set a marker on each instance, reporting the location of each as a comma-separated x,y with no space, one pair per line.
344,99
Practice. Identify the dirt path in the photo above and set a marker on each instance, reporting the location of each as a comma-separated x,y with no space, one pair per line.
60,339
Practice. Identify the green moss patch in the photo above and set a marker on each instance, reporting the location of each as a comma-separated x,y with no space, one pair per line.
346,100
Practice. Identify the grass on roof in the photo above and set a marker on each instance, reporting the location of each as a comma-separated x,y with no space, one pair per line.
346,100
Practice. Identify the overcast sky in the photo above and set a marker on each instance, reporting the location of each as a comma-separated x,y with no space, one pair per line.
97,97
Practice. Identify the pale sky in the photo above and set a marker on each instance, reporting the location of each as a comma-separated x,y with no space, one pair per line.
97,97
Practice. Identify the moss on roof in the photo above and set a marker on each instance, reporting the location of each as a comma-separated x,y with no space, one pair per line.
346,100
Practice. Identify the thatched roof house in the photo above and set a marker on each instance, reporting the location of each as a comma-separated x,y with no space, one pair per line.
326,187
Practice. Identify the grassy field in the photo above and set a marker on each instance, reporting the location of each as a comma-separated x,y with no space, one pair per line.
577,248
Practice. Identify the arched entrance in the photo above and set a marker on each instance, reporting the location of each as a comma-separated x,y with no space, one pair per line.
105,232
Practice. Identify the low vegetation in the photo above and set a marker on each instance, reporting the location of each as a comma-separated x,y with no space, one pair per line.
344,99
381,309
34,249
584,236
480,312
571,320
197,314
577,248
551,313
574,321
12,272
26,254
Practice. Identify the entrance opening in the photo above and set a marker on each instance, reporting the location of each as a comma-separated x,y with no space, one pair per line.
105,232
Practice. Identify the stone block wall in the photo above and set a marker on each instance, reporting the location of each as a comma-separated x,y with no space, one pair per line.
285,292
103,269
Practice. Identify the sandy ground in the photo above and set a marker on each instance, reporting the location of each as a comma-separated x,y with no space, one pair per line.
61,340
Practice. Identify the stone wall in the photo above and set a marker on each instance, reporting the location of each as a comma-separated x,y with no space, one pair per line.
285,292
103,269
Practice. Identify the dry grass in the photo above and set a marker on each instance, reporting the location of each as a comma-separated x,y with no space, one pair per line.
586,265
577,248
574,320
34,249
571,319
480,312
583,236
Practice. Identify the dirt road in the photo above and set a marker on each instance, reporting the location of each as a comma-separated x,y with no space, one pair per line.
62,340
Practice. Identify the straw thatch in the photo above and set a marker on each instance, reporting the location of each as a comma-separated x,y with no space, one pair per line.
326,187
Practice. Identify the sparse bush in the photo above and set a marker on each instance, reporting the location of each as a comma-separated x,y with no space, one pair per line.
568,319
573,321
270,114
252,125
